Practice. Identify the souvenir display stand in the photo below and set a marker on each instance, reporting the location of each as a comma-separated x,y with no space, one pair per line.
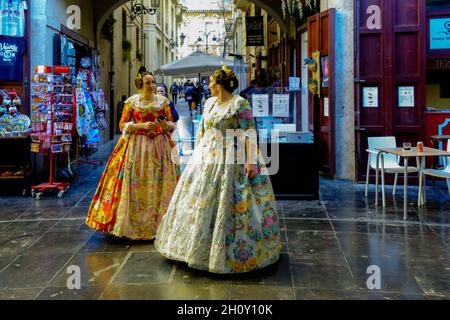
91,108
15,163
52,117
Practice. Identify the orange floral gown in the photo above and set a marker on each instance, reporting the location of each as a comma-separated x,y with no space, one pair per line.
140,177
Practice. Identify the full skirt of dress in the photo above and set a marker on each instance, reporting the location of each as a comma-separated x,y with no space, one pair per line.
219,220
135,189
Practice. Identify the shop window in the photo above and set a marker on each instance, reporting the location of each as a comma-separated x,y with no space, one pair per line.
437,4
445,86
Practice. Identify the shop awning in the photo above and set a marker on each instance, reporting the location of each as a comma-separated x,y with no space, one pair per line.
194,64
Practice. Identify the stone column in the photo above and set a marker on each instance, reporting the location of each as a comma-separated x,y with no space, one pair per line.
38,34
344,81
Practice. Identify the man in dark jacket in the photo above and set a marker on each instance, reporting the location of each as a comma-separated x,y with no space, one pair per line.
174,92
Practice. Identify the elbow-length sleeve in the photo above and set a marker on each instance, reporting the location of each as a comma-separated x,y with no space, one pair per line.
245,116
167,110
127,115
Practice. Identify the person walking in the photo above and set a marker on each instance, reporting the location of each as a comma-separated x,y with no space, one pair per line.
174,89
161,89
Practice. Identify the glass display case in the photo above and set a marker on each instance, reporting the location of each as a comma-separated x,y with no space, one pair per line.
290,153
277,113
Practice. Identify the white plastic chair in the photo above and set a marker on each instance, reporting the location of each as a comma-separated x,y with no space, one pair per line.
439,173
391,162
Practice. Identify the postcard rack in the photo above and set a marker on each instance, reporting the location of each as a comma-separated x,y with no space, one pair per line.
52,119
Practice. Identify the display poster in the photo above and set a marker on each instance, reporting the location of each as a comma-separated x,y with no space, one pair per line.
440,34
294,83
260,103
326,107
370,97
406,97
281,105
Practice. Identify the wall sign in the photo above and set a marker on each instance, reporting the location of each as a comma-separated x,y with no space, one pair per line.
255,31
281,105
406,97
294,84
260,104
370,97
439,33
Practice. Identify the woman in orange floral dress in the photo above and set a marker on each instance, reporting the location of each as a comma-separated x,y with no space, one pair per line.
137,184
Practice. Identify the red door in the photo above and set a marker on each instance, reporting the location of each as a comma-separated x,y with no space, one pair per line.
321,33
390,62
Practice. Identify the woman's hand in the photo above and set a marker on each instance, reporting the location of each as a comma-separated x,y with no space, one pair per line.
251,170
149,126
163,124
166,125
133,127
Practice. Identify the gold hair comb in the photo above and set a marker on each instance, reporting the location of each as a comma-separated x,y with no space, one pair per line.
226,69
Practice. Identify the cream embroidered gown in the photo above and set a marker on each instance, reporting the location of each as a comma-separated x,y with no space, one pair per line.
218,219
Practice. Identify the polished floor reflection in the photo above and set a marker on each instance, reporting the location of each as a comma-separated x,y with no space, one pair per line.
328,247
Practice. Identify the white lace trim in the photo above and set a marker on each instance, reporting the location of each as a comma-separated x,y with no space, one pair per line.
125,128
135,103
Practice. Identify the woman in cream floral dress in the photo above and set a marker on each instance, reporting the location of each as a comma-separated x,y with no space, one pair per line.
139,179
222,217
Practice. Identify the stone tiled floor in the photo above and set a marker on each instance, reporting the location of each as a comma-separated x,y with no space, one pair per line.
328,246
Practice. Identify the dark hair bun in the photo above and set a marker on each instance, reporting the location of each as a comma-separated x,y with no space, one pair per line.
139,80
228,80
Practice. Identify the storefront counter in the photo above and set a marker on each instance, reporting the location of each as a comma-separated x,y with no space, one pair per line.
297,177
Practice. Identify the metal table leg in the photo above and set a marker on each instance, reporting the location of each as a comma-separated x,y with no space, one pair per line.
382,181
376,178
405,191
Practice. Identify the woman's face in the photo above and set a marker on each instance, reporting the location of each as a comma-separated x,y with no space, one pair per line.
161,91
214,87
149,83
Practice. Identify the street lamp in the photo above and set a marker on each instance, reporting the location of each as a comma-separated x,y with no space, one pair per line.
207,34
138,9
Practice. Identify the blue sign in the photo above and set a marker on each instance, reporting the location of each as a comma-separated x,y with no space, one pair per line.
440,33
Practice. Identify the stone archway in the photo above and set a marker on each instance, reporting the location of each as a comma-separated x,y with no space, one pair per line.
102,9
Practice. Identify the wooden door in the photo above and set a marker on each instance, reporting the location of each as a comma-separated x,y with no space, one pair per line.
390,61
321,32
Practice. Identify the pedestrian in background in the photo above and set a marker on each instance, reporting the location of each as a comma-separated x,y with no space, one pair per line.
174,89
161,89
